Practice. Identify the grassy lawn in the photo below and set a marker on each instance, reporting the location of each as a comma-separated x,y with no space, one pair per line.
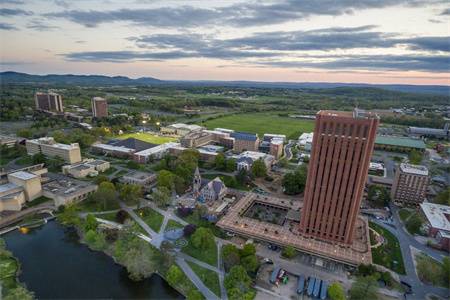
171,224
404,214
153,218
209,278
261,123
388,254
94,206
109,171
430,271
146,137
108,216
208,255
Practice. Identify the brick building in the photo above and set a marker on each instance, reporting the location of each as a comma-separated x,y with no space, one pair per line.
48,102
244,141
99,107
410,185
341,151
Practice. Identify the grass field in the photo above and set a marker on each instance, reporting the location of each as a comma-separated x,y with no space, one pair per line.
389,254
209,278
261,123
146,137
153,218
208,255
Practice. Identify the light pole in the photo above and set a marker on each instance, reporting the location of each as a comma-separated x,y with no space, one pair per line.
144,122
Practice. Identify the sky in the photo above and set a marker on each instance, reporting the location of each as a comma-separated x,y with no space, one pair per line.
371,41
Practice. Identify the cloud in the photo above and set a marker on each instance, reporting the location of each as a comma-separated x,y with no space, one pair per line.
40,26
239,14
184,16
6,26
445,12
62,3
432,43
437,63
12,12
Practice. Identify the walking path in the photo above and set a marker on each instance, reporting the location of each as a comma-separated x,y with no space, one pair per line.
195,280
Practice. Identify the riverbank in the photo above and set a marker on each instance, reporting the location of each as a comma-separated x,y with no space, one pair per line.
126,248
11,288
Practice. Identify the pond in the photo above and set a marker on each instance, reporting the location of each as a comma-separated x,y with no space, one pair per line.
56,266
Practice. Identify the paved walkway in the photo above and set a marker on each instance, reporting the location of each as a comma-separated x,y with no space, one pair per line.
420,290
195,280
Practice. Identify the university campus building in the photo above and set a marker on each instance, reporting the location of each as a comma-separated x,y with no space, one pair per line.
99,107
327,224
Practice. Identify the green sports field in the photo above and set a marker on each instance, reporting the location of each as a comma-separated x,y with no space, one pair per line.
261,123
146,137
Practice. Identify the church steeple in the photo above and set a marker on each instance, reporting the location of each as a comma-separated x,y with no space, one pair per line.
197,182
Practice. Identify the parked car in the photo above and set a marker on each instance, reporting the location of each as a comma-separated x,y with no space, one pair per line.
267,260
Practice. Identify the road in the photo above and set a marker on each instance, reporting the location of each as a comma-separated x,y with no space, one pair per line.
420,290
287,149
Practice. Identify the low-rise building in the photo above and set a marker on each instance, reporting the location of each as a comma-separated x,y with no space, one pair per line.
305,140
143,179
246,159
65,190
47,146
116,151
410,185
196,139
30,183
431,132
270,136
215,190
244,141
7,141
153,153
180,129
438,223
88,167
12,197
398,144
276,148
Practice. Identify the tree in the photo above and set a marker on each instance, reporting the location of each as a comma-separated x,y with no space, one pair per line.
105,194
230,165
294,182
259,168
194,294
130,193
25,133
189,229
39,158
174,275
443,197
19,293
415,157
101,178
387,278
378,195
140,261
121,216
161,196
364,288
248,249
90,236
336,292
165,179
238,284
231,256
202,238
289,252
414,224
219,161
250,263
366,270
91,223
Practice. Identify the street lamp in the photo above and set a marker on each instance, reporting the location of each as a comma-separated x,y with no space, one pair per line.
144,122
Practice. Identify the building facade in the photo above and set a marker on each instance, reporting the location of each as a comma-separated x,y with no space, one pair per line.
410,185
245,141
47,146
342,147
48,102
99,107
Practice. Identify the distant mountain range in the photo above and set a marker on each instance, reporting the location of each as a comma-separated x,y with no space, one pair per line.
100,80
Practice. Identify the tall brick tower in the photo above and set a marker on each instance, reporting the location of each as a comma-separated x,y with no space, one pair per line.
341,151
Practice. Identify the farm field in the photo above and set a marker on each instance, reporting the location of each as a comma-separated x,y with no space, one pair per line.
146,137
261,123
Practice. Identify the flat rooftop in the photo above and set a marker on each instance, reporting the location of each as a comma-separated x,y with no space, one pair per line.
234,221
414,169
139,175
65,186
438,215
8,187
23,175
400,142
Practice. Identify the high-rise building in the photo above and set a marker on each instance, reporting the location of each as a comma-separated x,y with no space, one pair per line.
341,151
99,107
48,102
410,185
